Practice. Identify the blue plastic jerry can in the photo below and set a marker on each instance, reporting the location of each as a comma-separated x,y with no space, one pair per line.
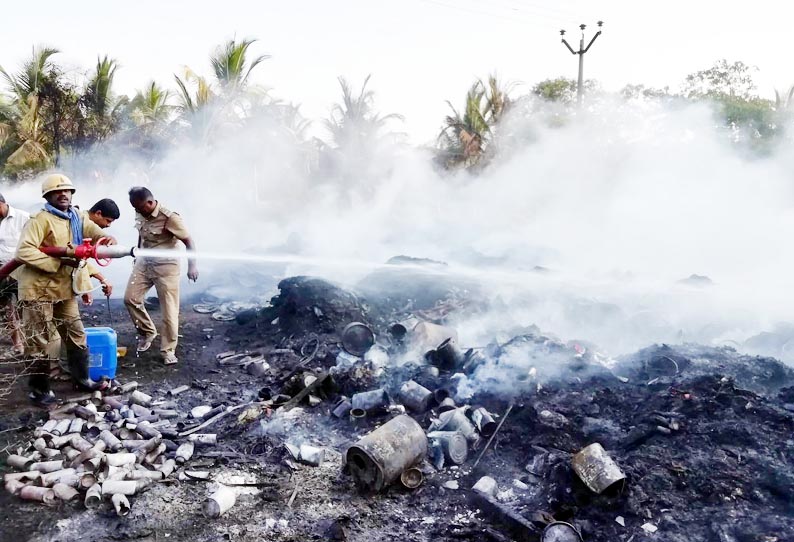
102,353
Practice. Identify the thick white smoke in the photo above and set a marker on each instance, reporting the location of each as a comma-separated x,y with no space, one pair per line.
618,203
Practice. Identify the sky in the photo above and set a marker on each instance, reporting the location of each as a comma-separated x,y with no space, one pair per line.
420,52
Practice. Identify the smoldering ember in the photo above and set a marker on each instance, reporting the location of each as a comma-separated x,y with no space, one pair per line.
356,414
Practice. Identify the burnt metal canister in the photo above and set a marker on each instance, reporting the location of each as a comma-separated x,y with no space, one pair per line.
415,396
484,421
453,443
357,338
412,478
380,457
596,469
456,420
446,404
342,408
448,355
370,401
400,329
560,531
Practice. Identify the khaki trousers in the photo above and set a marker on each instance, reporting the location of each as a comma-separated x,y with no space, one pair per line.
43,324
164,276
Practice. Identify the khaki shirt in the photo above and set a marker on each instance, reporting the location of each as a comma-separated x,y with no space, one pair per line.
163,229
83,282
43,278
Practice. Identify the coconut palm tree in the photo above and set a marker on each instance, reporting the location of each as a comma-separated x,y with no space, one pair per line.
151,110
101,109
24,125
231,65
354,121
466,135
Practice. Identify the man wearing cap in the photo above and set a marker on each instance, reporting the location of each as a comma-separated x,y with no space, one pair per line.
162,229
45,288
12,221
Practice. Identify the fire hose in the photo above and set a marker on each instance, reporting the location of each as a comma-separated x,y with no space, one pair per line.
101,252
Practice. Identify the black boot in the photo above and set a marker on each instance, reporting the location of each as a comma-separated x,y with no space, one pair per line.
77,359
39,383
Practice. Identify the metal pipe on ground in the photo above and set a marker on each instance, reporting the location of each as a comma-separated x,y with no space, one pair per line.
65,493
140,398
219,502
19,462
121,504
14,486
125,487
93,497
41,494
184,452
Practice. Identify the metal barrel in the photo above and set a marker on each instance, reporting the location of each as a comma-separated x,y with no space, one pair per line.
596,468
484,422
415,397
449,355
370,401
380,457
453,443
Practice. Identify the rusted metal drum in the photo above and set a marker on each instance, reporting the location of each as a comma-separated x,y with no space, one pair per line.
380,457
596,469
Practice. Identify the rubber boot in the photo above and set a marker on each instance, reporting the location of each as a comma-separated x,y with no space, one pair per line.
77,359
39,384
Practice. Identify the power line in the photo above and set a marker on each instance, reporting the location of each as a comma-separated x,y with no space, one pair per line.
511,19
534,10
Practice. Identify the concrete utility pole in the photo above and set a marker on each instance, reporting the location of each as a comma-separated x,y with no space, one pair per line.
582,50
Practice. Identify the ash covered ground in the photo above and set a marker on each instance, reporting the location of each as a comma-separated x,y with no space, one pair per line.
702,434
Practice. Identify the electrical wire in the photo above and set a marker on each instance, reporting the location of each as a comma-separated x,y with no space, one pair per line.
515,20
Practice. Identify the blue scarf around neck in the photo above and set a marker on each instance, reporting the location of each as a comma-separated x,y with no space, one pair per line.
75,222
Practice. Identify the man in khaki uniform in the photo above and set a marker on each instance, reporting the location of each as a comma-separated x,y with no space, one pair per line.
103,214
161,229
45,288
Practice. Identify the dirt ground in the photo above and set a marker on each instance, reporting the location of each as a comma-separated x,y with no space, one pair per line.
703,435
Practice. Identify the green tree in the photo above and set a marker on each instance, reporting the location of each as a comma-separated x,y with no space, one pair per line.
102,110
731,86
354,122
26,122
231,65
722,80
467,134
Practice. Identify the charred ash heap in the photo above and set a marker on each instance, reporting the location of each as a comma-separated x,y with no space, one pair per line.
352,416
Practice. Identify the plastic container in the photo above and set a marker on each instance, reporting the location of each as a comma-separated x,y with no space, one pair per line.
102,353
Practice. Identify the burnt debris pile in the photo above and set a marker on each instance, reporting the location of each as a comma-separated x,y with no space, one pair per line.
373,404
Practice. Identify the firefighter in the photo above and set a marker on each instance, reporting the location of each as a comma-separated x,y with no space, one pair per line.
46,292
162,229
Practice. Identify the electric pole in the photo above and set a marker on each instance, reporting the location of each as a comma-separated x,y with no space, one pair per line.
582,50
